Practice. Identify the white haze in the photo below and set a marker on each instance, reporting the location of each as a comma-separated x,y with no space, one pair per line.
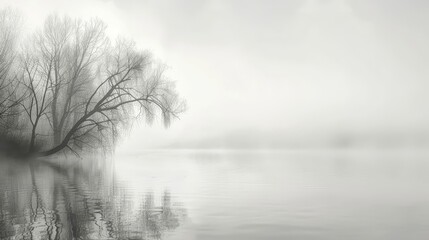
301,73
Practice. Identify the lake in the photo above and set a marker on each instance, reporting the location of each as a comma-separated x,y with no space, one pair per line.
219,194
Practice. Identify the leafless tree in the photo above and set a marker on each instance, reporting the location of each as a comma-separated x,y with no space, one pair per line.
73,46
38,99
78,89
127,83
9,97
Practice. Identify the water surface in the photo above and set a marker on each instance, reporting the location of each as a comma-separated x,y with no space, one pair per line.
196,194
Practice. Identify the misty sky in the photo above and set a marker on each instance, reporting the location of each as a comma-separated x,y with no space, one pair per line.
286,69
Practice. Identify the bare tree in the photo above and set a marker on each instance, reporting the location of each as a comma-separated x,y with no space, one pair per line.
127,83
78,90
73,47
9,96
38,100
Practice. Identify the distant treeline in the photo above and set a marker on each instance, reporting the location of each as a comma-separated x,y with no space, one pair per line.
69,86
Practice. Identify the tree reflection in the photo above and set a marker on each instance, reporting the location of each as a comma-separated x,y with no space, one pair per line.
51,201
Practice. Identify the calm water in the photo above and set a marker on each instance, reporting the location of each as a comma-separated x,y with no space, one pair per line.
219,195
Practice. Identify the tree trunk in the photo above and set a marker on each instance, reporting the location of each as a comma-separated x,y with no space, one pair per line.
33,136
68,136
55,128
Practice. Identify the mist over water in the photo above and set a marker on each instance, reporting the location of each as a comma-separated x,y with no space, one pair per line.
201,194
305,119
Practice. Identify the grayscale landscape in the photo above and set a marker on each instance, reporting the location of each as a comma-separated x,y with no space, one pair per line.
214,119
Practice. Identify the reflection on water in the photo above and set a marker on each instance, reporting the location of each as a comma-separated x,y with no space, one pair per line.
47,200
234,195
324,195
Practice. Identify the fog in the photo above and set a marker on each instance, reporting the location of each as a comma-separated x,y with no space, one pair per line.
284,74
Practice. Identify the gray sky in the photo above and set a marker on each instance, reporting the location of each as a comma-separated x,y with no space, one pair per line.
268,70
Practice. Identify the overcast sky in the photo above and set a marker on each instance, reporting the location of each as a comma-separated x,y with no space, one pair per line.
274,68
